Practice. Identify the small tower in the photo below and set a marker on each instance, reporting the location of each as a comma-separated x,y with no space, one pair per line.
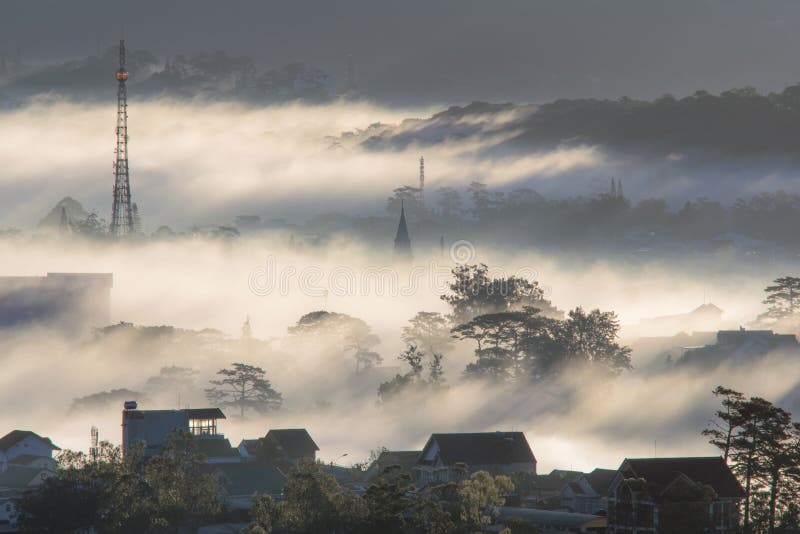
613,191
402,242
620,194
94,444
422,181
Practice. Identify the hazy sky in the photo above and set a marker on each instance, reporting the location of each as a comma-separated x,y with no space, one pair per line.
447,51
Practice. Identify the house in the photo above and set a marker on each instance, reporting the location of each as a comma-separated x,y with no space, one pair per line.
404,460
15,481
288,445
704,317
446,456
544,491
589,493
150,428
241,481
651,495
23,447
740,346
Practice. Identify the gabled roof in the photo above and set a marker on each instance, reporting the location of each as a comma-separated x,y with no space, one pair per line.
661,472
557,479
15,436
601,479
213,447
406,460
482,448
294,441
247,479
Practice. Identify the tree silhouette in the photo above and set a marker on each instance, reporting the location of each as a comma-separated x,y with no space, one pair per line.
783,298
244,387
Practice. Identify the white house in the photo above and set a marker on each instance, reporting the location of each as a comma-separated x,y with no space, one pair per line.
23,447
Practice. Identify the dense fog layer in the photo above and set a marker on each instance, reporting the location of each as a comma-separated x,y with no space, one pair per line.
579,421
202,164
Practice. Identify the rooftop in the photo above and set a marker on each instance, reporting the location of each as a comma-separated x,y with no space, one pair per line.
482,448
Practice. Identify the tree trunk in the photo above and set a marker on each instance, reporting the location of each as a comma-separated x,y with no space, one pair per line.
748,476
773,497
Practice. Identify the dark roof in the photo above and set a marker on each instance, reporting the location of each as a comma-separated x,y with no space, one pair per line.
557,479
213,447
249,445
405,459
482,448
15,436
576,488
661,472
601,479
205,413
294,441
247,479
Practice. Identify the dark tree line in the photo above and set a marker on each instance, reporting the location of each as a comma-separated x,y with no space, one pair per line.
315,502
112,493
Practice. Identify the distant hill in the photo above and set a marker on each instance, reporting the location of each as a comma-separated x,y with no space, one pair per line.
736,123
207,75
73,209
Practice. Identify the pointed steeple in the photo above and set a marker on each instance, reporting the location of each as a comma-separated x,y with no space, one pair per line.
402,242
613,191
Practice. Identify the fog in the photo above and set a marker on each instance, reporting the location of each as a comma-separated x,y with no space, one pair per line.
194,283
199,163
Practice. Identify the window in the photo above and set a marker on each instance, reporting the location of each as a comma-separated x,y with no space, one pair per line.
203,427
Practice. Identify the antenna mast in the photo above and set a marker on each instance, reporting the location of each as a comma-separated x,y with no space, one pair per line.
121,211
94,444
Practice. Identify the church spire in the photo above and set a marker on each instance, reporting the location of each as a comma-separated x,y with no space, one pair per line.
402,242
